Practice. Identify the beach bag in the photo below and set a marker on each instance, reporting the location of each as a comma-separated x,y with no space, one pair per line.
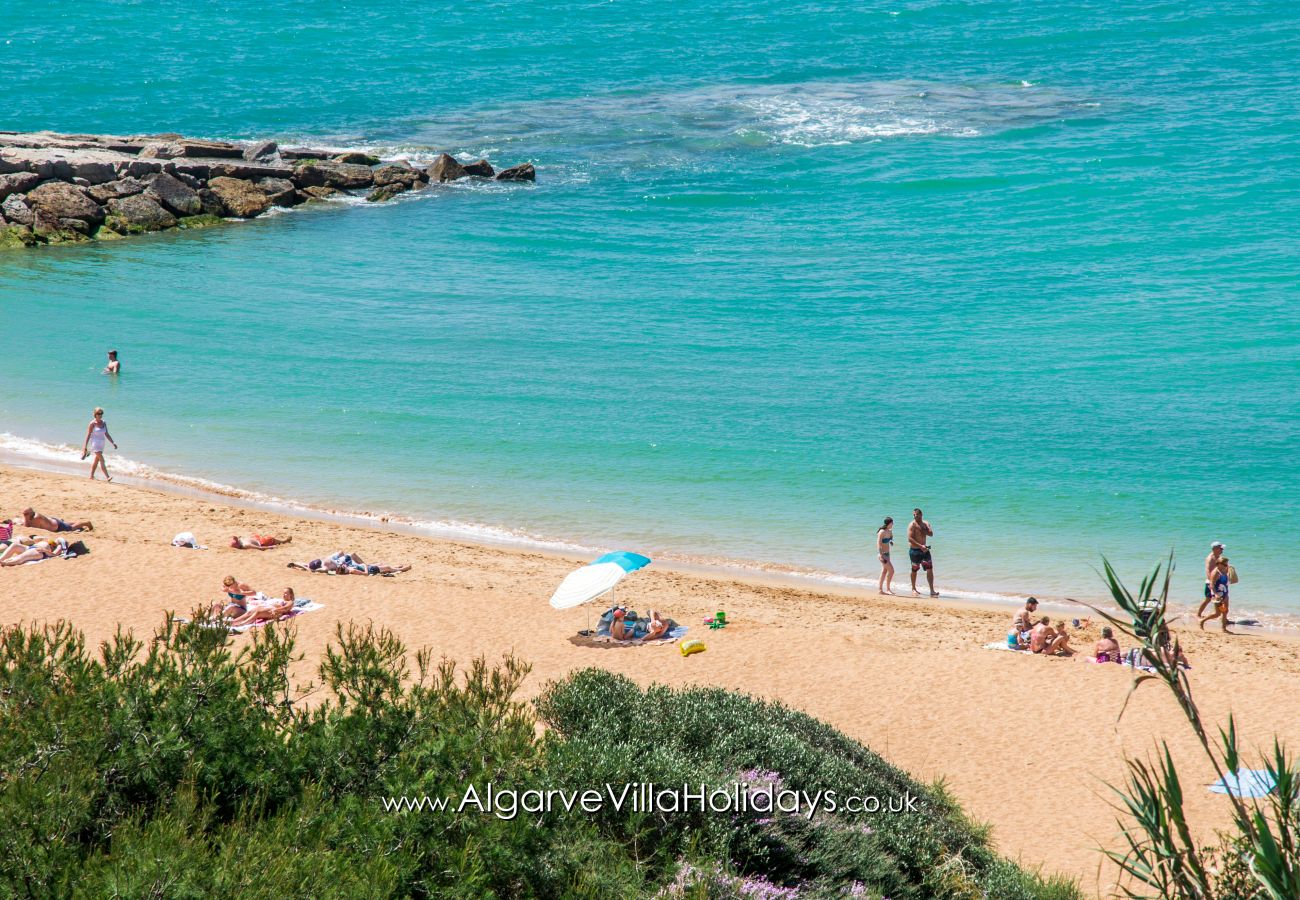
7,531
1232,574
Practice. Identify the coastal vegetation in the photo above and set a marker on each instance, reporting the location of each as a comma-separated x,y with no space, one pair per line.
187,768
1259,858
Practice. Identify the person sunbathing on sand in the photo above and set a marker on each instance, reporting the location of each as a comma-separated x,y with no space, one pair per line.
264,609
17,554
257,542
341,563
659,626
1107,649
1172,655
33,519
1049,641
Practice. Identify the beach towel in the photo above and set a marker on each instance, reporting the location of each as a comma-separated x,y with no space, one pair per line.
187,539
1002,645
677,632
1245,783
300,606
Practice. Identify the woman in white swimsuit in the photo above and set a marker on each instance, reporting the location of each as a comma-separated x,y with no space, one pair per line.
96,434
885,543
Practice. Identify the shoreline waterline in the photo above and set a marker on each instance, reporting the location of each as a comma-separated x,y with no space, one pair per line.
31,454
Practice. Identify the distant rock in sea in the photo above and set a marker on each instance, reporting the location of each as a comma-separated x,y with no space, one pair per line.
68,188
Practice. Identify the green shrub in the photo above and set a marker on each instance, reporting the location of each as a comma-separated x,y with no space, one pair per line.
184,768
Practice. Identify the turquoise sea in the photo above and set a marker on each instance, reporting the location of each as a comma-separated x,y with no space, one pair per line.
788,267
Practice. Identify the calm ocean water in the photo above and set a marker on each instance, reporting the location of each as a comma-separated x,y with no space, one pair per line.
788,268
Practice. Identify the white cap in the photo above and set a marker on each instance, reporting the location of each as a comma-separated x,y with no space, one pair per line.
1218,544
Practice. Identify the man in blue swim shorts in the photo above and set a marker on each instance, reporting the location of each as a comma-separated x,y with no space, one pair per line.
918,551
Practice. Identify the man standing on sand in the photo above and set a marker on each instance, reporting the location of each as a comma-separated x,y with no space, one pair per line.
1211,565
918,550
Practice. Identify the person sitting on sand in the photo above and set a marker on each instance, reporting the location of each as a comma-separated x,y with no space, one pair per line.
18,554
1171,653
1049,641
33,519
1024,620
263,609
1107,649
1220,588
658,626
257,542
341,563
238,595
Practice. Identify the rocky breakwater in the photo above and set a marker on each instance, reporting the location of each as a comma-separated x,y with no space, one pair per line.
61,188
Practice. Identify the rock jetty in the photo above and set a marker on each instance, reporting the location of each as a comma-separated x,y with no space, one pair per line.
63,188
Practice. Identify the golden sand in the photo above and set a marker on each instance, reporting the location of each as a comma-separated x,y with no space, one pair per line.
1026,744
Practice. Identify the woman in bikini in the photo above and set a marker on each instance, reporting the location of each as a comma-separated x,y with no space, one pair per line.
264,609
238,595
96,434
258,542
885,543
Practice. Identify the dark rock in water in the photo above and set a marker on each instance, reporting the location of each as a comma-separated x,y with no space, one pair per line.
212,205
320,192
357,158
396,174
76,225
18,183
387,192
123,187
265,150
16,236
332,174
15,210
178,197
445,168
65,201
139,213
303,153
279,191
482,168
240,198
94,171
522,172
201,221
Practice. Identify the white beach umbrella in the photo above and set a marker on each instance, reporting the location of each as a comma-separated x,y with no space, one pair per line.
586,584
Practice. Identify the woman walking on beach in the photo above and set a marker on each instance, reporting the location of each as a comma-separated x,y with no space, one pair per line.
885,543
96,434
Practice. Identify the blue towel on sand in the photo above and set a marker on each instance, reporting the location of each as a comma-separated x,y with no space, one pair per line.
1245,783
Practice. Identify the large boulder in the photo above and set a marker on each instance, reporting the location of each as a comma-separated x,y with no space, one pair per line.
189,147
261,151
394,173
356,157
161,150
138,213
303,153
18,183
320,191
137,168
64,201
17,211
10,163
445,168
249,171
178,197
279,191
522,172
212,205
240,198
123,187
343,176
15,237
95,171
482,168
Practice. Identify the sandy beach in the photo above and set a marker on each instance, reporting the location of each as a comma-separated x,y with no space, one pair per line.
1026,744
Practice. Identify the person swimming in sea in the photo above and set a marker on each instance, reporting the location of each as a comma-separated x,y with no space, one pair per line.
114,367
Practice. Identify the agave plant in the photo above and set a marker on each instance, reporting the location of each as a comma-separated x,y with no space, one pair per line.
1162,858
